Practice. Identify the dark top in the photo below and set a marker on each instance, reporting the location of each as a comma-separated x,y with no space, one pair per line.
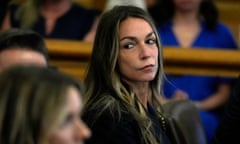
227,131
3,9
109,129
74,24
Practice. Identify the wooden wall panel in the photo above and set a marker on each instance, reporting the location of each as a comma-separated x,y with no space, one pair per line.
73,57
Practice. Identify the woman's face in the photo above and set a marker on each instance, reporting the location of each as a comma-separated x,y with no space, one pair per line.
187,5
72,129
138,54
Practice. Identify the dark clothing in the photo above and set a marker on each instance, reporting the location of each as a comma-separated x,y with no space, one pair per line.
74,24
3,10
109,128
227,131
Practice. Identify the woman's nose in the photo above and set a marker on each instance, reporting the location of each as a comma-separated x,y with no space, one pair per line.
145,51
82,131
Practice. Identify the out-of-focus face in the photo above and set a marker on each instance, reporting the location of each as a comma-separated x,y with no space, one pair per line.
21,56
138,54
72,130
187,5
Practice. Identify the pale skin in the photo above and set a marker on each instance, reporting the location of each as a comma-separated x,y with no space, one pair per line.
72,129
186,27
52,10
138,56
17,56
186,22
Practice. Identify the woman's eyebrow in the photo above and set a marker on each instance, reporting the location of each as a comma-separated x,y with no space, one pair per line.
150,34
134,38
128,37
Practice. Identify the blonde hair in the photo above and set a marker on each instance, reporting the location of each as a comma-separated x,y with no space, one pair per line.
32,100
28,13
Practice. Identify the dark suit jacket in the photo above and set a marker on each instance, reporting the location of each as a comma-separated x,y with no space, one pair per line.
227,131
109,128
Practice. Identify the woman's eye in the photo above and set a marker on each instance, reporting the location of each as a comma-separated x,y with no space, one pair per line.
128,46
151,41
67,120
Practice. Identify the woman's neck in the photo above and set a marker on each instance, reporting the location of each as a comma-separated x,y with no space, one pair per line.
52,10
186,18
55,8
143,92
186,28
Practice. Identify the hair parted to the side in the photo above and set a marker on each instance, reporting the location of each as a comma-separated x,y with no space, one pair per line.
32,100
26,39
104,87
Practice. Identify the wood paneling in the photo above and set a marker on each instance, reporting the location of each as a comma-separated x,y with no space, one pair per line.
72,57
230,15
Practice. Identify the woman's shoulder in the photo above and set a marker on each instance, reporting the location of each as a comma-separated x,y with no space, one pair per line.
225,34
222,27
112,125
221,35
13,8
112,114
165,25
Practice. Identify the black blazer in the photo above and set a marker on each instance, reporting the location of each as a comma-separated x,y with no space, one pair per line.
109,128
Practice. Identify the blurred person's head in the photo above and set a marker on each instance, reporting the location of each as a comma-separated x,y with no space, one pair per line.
22,47
40,106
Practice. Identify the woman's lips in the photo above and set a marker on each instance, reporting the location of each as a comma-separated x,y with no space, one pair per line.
148,68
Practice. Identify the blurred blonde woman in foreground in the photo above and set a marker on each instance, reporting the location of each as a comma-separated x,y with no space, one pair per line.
40,106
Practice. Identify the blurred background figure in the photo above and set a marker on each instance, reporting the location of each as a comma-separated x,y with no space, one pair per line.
40,105
144,4
226,131
23,47
139,3
3,10
63,19
194,24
